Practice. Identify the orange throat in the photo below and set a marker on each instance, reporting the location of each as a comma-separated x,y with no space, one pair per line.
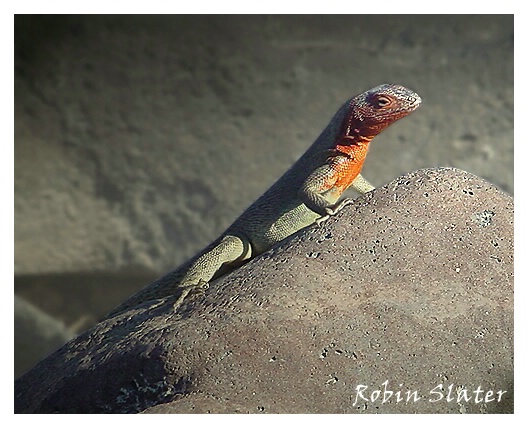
349,167
356,150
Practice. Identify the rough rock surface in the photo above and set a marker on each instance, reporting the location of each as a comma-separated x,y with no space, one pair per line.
412,285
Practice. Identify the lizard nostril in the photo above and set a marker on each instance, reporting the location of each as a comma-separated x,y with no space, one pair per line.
415,100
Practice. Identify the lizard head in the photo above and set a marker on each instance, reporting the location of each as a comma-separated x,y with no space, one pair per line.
372,111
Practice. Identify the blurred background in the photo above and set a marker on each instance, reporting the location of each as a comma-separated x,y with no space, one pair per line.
139,139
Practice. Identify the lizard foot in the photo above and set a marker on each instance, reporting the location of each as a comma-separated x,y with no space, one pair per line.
191,289
330,211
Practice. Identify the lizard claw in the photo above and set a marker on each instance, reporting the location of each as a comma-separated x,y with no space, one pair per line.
330,211
197,290
321,220
340,205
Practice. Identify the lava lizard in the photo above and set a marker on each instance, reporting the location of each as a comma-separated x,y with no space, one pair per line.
307,193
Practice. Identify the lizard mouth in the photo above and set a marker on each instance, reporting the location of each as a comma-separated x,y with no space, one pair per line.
353,136
351,139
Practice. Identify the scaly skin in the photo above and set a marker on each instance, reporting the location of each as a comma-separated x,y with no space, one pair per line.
307,193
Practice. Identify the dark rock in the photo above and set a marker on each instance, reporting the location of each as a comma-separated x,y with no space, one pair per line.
409,289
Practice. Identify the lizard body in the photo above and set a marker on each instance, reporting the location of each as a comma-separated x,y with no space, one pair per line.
307,193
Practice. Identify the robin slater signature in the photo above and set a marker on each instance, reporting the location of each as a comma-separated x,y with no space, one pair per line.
448,393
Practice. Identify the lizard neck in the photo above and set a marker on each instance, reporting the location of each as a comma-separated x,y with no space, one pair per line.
346,163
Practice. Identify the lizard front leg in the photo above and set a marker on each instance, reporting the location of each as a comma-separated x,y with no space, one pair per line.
362,185
320,193
322,189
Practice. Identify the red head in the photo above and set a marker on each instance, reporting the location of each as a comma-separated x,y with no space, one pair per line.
372,111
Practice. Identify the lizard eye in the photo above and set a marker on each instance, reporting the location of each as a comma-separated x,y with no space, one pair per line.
383,101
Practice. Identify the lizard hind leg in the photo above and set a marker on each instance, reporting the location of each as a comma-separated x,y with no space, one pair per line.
214,262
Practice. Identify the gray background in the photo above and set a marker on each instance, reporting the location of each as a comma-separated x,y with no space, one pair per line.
139,139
